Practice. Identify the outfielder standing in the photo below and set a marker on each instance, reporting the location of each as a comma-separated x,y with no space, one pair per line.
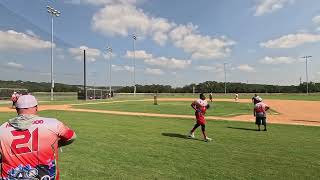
210,97
200,106
236,97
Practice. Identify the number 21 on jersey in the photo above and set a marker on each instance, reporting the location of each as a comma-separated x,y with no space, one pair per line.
21,143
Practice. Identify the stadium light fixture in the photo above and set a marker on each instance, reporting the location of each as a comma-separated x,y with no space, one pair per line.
306,58
54,13
134,37
109,49
225,78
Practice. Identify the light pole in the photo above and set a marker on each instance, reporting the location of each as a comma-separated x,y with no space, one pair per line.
54,13
306,57
225,78
110,55
134,37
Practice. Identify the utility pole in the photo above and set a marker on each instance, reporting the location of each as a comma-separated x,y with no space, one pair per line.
54,13
110,55
84,76
300,80
225,78
134,65
306,57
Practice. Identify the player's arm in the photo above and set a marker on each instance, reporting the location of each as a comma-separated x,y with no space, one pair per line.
193,105
267,108
254,111
66,135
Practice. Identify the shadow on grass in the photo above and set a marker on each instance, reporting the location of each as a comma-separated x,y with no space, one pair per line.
240,128
176,135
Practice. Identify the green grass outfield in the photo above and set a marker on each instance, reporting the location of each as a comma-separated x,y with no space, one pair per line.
128,147
282,96
182,107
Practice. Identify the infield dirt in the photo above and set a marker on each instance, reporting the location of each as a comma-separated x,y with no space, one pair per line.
290,111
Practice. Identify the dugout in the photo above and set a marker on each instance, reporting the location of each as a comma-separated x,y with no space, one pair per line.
92,94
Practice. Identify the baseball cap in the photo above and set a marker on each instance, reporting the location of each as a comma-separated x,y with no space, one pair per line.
259,99
26,101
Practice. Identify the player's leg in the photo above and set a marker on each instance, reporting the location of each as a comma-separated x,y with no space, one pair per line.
258,123
191,135
264,122
203,129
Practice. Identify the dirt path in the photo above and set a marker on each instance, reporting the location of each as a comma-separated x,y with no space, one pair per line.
291,111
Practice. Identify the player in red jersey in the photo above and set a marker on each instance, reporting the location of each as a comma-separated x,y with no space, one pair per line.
29,143
200,106
260,112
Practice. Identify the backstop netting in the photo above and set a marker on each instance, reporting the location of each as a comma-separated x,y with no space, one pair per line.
5,93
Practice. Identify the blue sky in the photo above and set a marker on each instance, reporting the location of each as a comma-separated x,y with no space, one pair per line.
178,42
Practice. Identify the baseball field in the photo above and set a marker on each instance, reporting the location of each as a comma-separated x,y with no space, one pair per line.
130,138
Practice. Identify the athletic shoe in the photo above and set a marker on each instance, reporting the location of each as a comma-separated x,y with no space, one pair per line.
265,130
191,135
207,139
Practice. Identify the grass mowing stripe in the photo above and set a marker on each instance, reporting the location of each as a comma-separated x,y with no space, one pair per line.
181,108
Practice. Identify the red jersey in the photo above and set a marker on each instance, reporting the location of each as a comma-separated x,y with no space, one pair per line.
255,100
14,97
32,153
200,112
260,109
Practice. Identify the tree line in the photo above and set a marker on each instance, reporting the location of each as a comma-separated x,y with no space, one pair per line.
219,87
38,86
205,87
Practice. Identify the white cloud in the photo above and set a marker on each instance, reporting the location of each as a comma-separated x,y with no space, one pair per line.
91,53
215,68
245,68
122,20
205,68
316,19
164,62
268,6
200,47
139,54
154,71
106,55
12,40
170,63
122,68
291,40
277,60
31,33
14,65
